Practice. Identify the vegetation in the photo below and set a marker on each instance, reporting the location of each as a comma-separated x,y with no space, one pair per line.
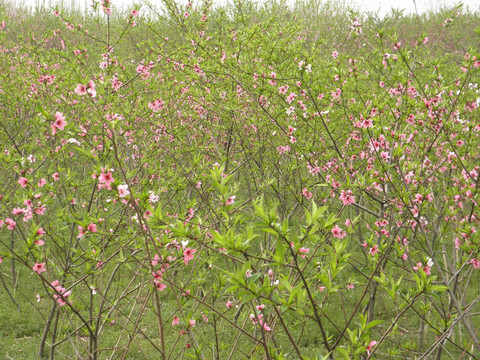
240,181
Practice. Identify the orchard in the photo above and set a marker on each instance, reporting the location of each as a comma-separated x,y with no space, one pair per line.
240,181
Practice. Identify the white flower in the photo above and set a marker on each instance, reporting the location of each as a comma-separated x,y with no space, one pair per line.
123,191
429,262
153,197
74,141
290,110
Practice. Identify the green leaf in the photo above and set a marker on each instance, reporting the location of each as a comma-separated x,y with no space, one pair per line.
439,288
373,323
271,231
253,278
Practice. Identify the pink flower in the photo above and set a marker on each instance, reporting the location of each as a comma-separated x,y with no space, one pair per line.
91,88
338,233
81,90
291,97
192,323
265,326
426,269
81,231
56,176
205,318
157,105
374,250
155,260
11,224
283,89
106,179
418,198
188,255
40,210
347,197
158,275
271,274
415,211
23,182
350,286
42,182
62,291
18,211
259,319
175,320
475,263
303,251
370,346
231,200
229,304
307,193
123,191
39,268
90,228
367,123
59,122
159,285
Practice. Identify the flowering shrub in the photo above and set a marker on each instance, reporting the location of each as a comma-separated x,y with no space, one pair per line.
253,193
